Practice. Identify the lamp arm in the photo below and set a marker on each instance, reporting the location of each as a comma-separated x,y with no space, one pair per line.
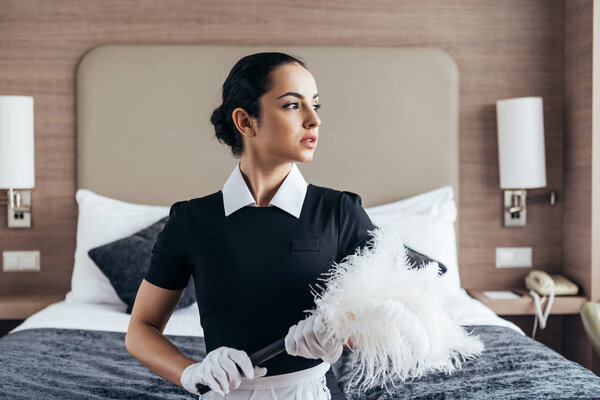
545,198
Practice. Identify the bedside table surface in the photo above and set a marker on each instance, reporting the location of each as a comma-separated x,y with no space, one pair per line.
525,305
18,306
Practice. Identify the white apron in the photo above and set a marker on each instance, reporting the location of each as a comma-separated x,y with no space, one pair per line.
308,384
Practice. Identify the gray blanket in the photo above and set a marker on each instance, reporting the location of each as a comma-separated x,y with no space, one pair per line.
49,363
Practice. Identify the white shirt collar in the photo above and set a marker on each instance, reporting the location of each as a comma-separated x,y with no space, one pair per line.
289,196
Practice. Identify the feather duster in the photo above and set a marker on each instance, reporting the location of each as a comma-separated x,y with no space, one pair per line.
394,314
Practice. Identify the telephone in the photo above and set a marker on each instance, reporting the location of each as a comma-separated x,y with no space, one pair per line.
540,282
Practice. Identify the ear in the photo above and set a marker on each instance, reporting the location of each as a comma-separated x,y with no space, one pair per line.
243,122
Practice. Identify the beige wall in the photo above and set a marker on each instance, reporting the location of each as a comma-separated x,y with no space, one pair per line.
503,49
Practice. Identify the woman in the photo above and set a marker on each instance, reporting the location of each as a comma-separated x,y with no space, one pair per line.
255,248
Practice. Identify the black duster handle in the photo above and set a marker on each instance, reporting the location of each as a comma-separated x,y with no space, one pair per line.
256,358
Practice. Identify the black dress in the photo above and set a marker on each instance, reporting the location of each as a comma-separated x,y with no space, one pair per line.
253,270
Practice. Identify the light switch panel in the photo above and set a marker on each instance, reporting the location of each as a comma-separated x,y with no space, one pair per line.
21,260
513,257
10,262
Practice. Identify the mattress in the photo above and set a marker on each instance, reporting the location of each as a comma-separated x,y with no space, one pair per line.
186,321
72,350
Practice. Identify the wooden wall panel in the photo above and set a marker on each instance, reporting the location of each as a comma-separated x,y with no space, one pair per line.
578,142
503,49
579,156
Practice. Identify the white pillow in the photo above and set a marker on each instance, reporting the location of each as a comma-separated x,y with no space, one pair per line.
103,220
426,224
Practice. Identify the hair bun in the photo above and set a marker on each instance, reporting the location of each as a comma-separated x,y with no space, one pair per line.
223,128
218,116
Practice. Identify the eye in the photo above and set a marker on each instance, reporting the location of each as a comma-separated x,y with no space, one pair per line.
317,106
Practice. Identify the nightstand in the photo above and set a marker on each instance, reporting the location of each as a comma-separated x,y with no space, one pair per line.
563,327
15,308
563,305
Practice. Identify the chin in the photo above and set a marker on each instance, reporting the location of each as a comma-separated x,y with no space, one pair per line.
305,155
306,158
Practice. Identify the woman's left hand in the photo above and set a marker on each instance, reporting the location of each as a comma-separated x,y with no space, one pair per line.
307,339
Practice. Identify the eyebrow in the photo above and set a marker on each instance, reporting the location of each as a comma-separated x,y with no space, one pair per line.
296,95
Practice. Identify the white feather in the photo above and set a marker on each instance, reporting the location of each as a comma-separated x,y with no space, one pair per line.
395,314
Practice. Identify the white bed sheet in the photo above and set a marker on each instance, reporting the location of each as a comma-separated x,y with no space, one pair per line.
186,321
105,317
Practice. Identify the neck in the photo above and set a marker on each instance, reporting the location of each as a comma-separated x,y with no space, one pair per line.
263,180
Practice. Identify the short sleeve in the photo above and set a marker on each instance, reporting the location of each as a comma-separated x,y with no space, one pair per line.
169,264
354,224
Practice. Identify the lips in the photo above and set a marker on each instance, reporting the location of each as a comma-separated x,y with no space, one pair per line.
310,137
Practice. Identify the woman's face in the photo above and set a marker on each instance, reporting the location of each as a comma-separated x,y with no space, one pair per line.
289,114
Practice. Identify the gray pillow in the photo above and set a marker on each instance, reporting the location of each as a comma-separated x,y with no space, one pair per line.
419,260
125,262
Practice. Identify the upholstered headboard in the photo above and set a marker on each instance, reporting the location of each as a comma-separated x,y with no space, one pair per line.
389,120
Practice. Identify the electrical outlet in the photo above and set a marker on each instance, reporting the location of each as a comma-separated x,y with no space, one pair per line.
20,217
513,257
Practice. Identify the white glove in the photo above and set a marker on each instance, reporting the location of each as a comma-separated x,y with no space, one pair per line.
307,339
219,371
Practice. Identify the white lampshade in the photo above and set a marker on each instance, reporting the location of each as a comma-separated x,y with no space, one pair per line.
16,142
521,143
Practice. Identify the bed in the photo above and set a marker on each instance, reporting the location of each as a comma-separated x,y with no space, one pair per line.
128,95
69,351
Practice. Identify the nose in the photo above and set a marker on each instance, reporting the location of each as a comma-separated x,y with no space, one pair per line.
312,121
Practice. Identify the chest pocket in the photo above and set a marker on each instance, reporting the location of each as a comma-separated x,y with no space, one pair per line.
309,258
306,244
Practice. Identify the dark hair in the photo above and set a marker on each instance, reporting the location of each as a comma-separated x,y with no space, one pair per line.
247,81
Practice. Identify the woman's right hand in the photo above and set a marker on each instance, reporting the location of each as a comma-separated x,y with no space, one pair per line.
219,371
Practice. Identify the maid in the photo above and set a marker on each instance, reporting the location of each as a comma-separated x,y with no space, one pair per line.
255,248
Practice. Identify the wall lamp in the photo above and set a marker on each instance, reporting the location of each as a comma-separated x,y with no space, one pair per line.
521,155
17,158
